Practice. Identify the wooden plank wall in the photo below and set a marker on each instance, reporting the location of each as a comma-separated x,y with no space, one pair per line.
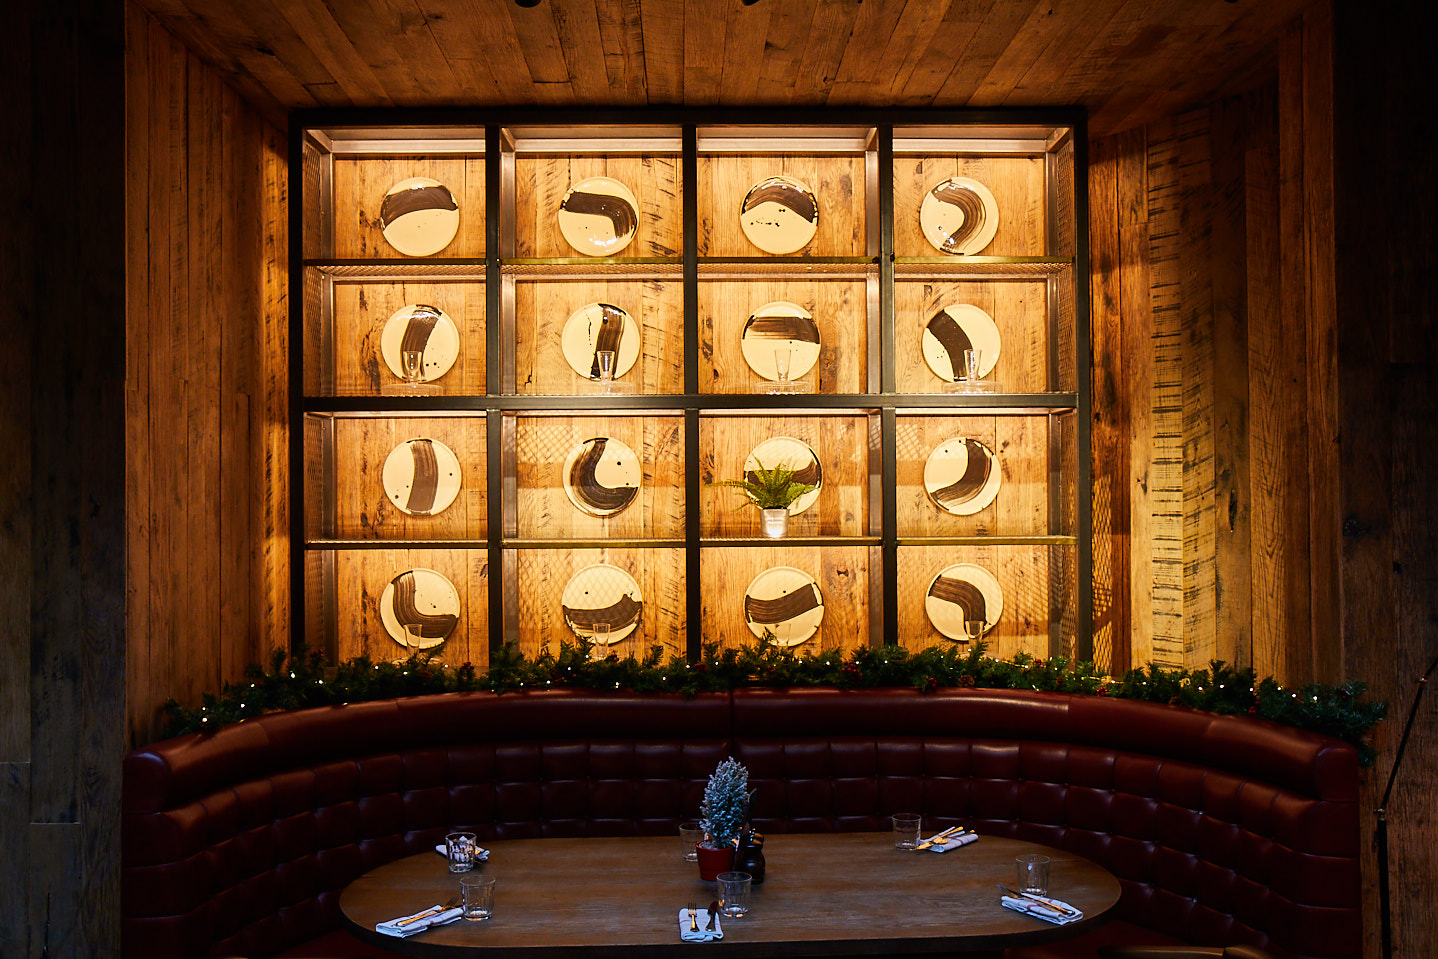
205,382
62,519
1265,424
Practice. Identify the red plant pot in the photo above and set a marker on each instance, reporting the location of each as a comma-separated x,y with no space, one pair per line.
713,861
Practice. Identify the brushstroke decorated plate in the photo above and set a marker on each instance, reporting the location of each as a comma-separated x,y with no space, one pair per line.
419,216
795,454
962,476
419,326
602,594
421,476
779,215
959,216
954,329
419,608
787,602
599,326
602,476
599,216
963,592
780,325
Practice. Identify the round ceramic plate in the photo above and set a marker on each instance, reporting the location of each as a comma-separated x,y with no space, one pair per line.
599,326
419,216
779,215
780,325
799,457
425,602
602,476
963,591
421,476
962,476
418,326
787,602
959,216
602,594
957,328
598,216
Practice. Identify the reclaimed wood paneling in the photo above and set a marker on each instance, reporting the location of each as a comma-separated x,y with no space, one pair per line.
543,307
361,310
841,508
207,546
538,588
1017,184
837,182
839,308
544,443
541,182
360,185
361,576
1023,573
1019,310
841,570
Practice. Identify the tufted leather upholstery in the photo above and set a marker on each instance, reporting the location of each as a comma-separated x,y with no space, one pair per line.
1221,829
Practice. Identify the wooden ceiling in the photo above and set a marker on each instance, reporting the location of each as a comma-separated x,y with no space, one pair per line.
1127,61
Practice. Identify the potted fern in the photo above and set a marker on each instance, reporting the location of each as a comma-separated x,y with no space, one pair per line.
725,810
772,491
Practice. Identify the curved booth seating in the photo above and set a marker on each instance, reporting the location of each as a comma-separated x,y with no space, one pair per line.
1222,830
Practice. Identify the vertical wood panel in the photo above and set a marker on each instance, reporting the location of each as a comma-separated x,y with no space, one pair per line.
841,571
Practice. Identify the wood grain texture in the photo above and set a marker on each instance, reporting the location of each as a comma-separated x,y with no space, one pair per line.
363,510
837,182
1017,184
361,576
543,444
206,401
842,572
840,442
1024,576
1019,309
839,308
359,187
605,896
543,573
541,181
1020,445
361,310
543,307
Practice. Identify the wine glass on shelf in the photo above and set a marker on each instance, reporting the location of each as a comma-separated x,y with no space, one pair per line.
974,630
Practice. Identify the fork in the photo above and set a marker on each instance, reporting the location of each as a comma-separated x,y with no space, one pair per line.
431,911
693,910
1047,903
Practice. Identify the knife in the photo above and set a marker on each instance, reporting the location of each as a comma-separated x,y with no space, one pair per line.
1058,907
945,834
713,915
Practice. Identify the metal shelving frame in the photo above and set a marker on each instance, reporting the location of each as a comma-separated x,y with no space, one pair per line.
1026,132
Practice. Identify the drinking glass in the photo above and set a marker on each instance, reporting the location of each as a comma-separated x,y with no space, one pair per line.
974,629
606,366
734,888
972,359
413,365
690,835
461,848
906,830
599,634
781,364
1033,874
477,897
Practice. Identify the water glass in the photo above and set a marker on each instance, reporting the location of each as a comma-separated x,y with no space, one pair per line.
974,629
1033,874
413,364
599,634
972,359
690,835
477,897
906,830
734,888
461,848
781,364
606,365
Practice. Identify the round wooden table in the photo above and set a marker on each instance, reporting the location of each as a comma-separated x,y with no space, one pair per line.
832,894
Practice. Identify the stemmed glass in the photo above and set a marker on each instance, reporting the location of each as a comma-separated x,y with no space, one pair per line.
974,629
413,364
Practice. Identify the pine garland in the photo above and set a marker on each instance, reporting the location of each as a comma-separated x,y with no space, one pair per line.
301,680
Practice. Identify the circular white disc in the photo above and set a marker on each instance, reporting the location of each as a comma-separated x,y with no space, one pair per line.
581,334
787,602
959,215
430,330
962,476
959,592
419,216
599,216
779,215
607,477
602,594
421,476
432,608
780,325
952,330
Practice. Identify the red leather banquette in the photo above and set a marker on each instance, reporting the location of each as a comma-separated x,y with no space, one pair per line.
1222,830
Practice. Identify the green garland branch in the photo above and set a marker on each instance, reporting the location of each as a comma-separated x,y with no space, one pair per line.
302,680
